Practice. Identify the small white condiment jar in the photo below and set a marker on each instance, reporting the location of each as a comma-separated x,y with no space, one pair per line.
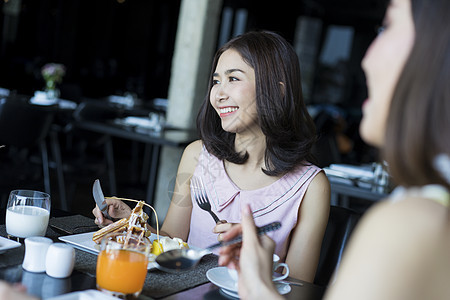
60,260
35,253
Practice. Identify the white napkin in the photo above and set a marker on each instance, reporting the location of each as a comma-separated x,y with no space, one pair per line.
351,171
40,98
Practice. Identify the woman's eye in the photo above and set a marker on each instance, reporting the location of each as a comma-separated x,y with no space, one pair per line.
215,81
233,79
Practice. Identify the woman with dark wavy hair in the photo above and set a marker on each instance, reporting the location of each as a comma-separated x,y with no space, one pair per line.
255,148
401,247
288,129
256,138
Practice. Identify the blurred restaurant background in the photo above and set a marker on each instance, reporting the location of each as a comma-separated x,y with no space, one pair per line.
135,72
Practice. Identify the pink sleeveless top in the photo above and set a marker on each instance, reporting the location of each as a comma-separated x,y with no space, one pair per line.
279,201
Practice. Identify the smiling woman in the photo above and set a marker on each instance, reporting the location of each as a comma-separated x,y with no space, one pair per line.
256,148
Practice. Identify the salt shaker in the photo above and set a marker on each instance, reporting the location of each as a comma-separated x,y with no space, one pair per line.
60,260
35,253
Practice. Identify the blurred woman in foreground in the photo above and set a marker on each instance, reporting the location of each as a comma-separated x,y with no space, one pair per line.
400,249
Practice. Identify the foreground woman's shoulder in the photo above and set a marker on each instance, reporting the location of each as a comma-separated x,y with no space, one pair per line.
413,223
420,212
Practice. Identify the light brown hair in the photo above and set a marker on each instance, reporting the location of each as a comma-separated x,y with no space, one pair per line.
418,125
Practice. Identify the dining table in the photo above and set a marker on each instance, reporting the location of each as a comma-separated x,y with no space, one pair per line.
192,284
153,140
114,121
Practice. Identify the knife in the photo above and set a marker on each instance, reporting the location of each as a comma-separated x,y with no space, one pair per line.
100,198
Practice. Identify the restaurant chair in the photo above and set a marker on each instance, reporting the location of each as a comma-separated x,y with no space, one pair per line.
23,131
341,223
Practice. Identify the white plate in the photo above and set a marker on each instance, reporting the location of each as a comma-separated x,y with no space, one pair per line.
84,295
6,244
83,241
220,277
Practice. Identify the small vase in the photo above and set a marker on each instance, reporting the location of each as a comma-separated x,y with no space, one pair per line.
51,91
52,94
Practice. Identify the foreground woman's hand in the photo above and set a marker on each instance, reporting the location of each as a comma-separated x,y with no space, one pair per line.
117,209
16,291
253,259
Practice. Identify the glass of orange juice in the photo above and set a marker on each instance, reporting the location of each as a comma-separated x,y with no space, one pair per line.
122,264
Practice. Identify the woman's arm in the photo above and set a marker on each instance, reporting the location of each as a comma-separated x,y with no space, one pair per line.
306,239
178,218
177,221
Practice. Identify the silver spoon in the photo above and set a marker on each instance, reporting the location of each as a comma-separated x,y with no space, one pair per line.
185,259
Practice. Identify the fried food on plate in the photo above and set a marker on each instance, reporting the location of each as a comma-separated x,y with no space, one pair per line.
136,224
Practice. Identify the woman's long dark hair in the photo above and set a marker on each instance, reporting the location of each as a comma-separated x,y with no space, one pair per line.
418,125
282,114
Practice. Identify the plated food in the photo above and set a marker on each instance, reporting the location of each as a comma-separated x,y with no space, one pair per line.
136,223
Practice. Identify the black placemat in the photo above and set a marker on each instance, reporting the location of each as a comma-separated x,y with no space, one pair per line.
72,224
157,284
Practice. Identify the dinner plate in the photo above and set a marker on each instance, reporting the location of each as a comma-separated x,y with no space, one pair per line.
84,295
220,277
83,241
6,244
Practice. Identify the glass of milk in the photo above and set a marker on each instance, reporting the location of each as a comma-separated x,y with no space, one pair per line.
27,213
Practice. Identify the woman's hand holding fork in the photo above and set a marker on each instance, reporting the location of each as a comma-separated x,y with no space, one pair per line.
221,227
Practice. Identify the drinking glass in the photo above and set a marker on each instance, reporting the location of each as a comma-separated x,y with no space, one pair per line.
27,213
122,264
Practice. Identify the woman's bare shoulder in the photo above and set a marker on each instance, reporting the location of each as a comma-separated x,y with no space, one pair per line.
410,213
320,181
318,193
408,228
193,149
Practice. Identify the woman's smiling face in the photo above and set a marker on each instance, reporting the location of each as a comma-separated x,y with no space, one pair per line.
233,94
382,65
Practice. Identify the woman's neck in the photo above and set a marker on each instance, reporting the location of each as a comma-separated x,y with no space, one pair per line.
255,145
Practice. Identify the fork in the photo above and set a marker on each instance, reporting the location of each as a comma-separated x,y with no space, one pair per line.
202,198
